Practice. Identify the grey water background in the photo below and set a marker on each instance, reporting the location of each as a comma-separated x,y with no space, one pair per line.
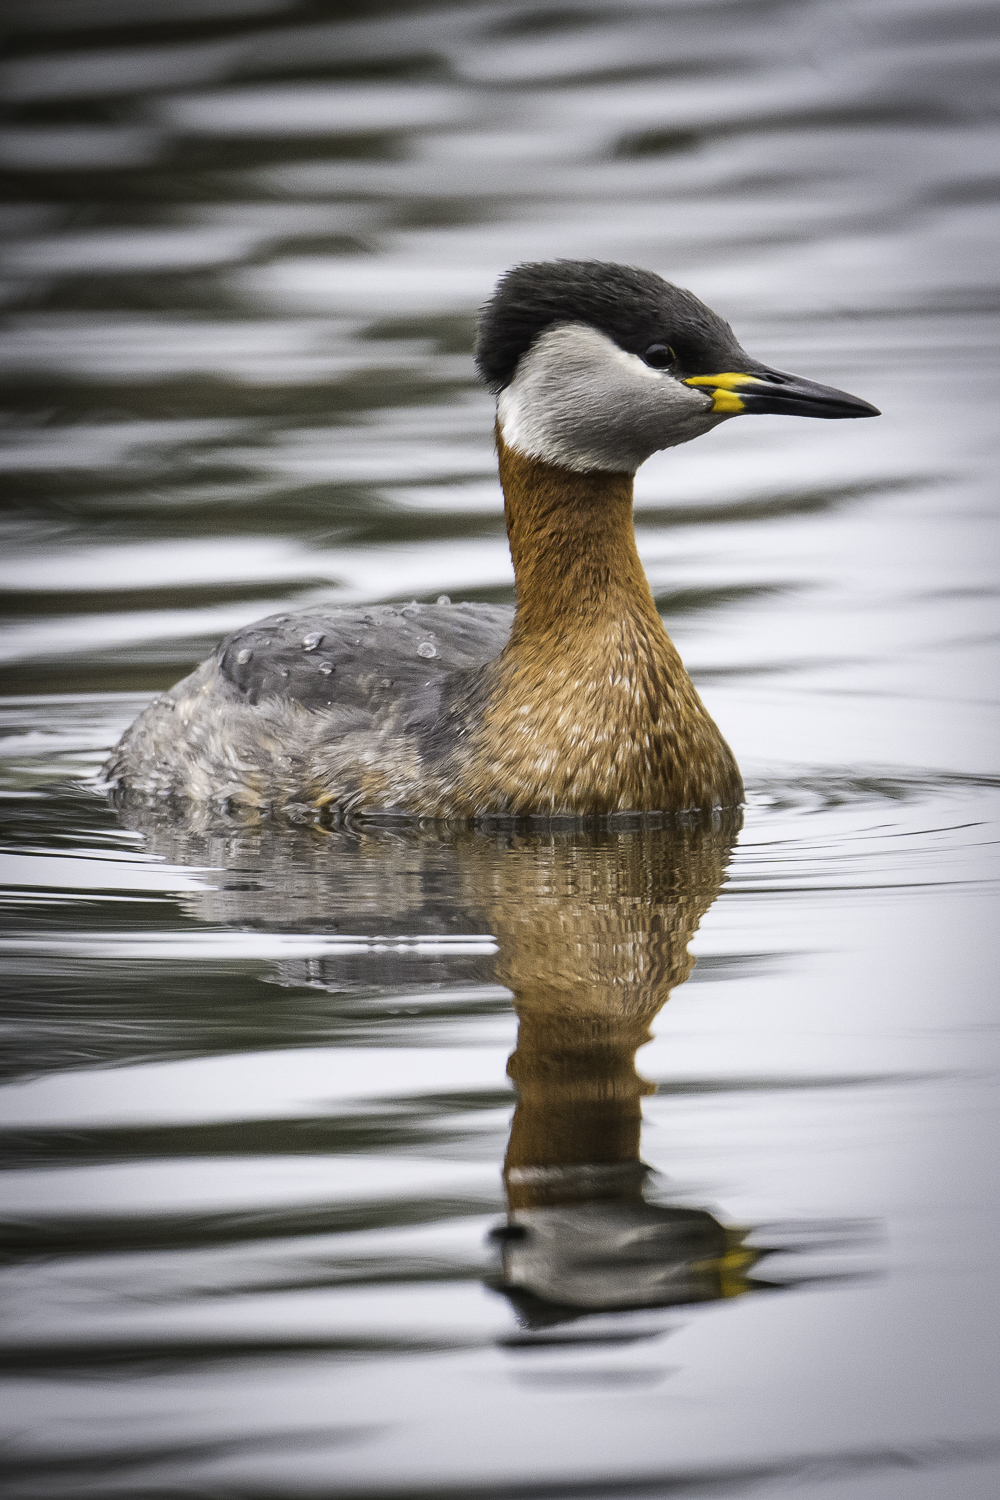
255,1099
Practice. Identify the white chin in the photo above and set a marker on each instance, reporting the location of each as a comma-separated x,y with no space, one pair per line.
580,402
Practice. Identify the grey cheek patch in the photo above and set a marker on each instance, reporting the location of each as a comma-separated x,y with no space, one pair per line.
579,401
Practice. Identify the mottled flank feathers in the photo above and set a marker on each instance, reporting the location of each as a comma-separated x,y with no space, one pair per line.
321,708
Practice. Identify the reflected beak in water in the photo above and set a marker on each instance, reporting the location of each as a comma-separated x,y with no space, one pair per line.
773,391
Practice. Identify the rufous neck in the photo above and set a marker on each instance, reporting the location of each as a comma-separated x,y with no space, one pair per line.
572,541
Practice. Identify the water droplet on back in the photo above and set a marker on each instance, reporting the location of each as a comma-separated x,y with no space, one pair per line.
244,656
326,667
312,640
426,649
443,599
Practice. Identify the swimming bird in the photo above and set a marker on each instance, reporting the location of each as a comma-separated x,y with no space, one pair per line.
573,703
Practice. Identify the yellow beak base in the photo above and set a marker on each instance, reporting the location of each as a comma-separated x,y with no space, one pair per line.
724,387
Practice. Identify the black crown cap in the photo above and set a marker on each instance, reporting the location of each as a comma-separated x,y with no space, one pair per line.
635,308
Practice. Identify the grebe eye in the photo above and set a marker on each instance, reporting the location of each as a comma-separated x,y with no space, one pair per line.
659,356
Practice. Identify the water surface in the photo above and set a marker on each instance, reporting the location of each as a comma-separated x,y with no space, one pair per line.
398,1162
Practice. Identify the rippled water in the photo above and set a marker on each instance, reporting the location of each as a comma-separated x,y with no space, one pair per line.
330,1165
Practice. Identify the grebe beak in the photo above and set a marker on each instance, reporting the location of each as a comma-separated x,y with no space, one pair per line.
773,391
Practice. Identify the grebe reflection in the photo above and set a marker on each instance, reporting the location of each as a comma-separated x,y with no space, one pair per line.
592,940
592,931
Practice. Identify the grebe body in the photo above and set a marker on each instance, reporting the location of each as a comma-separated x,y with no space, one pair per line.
574,703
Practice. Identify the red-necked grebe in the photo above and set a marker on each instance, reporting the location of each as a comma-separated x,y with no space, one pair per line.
575,702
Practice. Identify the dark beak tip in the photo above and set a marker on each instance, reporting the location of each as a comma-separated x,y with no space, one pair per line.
793,395
860,409
844,413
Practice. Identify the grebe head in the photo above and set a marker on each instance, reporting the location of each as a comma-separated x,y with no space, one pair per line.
596,366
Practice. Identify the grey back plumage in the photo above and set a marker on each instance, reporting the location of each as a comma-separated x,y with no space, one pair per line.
322,699
352,657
